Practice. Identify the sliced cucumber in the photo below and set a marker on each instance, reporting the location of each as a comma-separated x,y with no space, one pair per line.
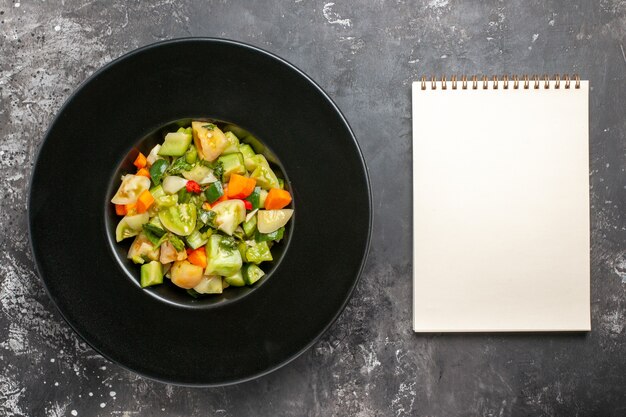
233,143
259,253
249,227
265,177
246,150
175,144
214,192
252,273
233,164
255,161
236,280
262,196
151,274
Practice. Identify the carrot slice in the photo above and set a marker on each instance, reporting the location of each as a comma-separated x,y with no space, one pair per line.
144,172
197,257
240,186
144,201
140,161
120,209
131,208
277,199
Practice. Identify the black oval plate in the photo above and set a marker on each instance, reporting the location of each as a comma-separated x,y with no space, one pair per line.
93,133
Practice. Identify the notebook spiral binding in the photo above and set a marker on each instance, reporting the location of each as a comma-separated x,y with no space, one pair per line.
513,82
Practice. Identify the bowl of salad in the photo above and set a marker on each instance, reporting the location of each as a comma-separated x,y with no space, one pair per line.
199,211
203,208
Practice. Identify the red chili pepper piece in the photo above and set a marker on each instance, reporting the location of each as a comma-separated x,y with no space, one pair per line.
193,187
247,204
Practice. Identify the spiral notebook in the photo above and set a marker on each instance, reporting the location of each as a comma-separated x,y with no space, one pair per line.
501,236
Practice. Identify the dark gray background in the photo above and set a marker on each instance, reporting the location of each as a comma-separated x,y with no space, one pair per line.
365,55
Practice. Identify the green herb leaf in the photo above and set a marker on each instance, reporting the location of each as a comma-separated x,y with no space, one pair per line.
179,165
193,293
178,244
154,239
209,126
207,217
218,170
239,234
183,196
161,240
155,230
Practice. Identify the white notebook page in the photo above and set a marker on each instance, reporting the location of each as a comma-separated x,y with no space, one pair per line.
500,209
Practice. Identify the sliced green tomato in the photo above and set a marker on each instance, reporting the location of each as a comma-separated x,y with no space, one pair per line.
179,219
124,231
229,214
175,144
259,253
131,187
172,184
247,152
221,260
210,285
186,275
235,280
200,174
142,250
137,221
210,141
269,221
252,273
130,226
151,274
233,143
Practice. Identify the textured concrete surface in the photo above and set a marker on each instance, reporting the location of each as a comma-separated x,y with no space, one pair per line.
365,54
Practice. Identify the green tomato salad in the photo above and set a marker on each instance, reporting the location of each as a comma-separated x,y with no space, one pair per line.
204,209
